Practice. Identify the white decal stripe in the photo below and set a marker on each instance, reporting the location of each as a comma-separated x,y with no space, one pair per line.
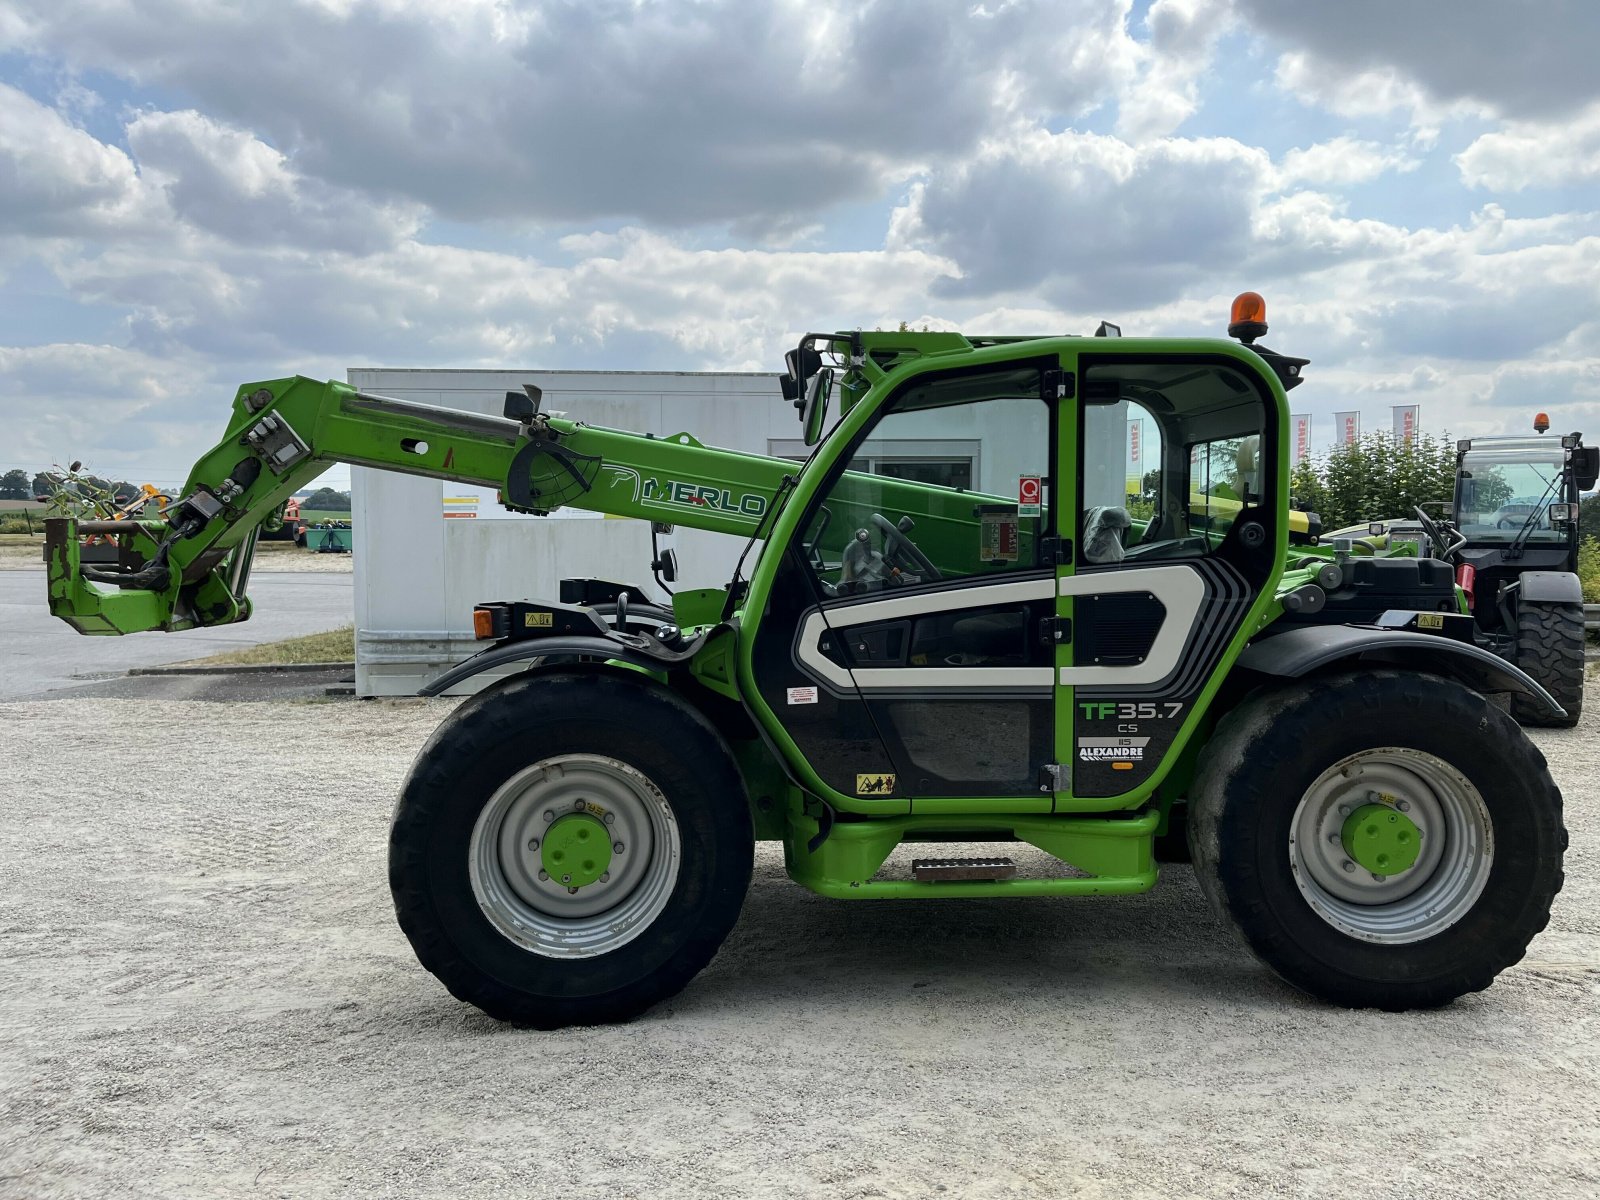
918,678
1181,591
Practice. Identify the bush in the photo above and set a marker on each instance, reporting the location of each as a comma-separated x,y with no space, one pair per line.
1589,569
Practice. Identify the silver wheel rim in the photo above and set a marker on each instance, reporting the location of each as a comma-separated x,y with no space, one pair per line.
1451,870
542,914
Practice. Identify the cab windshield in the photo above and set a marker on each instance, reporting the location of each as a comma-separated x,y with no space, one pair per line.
1505,486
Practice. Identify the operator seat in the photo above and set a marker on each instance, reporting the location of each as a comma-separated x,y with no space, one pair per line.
1104,527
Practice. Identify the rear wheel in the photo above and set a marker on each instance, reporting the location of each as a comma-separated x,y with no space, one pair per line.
1550,649
570,848
1380,839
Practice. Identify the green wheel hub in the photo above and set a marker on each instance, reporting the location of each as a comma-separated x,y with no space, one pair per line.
1381,839
576,850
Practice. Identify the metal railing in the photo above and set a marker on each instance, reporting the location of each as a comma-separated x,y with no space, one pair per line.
1591,618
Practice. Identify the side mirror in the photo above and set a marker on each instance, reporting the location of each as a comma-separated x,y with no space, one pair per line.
1585,462
814,408
803,365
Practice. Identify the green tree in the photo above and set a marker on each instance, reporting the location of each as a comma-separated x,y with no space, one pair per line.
43,485
1589,519
1379,476
327,500
14,486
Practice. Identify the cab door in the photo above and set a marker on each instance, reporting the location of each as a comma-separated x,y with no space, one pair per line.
1179,484
928,629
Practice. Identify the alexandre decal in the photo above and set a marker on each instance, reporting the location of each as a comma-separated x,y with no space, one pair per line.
1112,749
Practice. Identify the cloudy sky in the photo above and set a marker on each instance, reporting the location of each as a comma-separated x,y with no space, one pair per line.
193,195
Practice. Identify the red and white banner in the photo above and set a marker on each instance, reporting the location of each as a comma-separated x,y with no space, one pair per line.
1133,443
1302,437
1347,426
1405,421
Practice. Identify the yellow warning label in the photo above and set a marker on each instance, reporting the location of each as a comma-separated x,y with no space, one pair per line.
1430,620
874,785
537,620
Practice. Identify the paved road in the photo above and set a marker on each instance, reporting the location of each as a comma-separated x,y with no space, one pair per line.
39,654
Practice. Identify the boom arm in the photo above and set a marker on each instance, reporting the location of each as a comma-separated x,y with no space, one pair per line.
191,568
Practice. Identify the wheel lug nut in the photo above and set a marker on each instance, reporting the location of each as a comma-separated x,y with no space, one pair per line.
1333,839
1349,866
1404,806
1376,878
549,815
533,843
571,891
616,847
605,877
1344,810
577,806
611,818
543,875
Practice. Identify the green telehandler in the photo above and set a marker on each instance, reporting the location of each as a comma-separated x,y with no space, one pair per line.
900,660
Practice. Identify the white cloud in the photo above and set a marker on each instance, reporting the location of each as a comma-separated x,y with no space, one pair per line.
1084,217
55,179
1527,154
1378,55
716,112
1183,38
1342,161
226,182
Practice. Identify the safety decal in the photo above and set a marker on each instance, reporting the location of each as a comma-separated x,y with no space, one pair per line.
1028,489
1427,620
802,695
539,620
874,785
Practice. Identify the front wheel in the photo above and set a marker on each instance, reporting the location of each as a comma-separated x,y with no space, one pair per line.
1550,649
1380,839
570,848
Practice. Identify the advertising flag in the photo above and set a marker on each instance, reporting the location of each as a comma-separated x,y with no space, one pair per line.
1405,421
1347,425
1302,437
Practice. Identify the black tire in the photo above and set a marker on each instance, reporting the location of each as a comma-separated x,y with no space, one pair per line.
1550,648
503,731
1264,757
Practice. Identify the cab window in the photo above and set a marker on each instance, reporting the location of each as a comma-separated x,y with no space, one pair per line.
1171,456
952,481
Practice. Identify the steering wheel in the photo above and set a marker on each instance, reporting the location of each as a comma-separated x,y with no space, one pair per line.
897,543
1431,528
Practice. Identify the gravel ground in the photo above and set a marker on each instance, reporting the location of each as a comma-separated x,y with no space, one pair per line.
203,993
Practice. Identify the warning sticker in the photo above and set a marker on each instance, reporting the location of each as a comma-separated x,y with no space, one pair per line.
874,785
539,620
998,532
1029,488
802,695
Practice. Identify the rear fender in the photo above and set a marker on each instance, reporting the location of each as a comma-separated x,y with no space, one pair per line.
1298,652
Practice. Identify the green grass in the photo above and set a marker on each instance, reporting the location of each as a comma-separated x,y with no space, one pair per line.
335,646
313,515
